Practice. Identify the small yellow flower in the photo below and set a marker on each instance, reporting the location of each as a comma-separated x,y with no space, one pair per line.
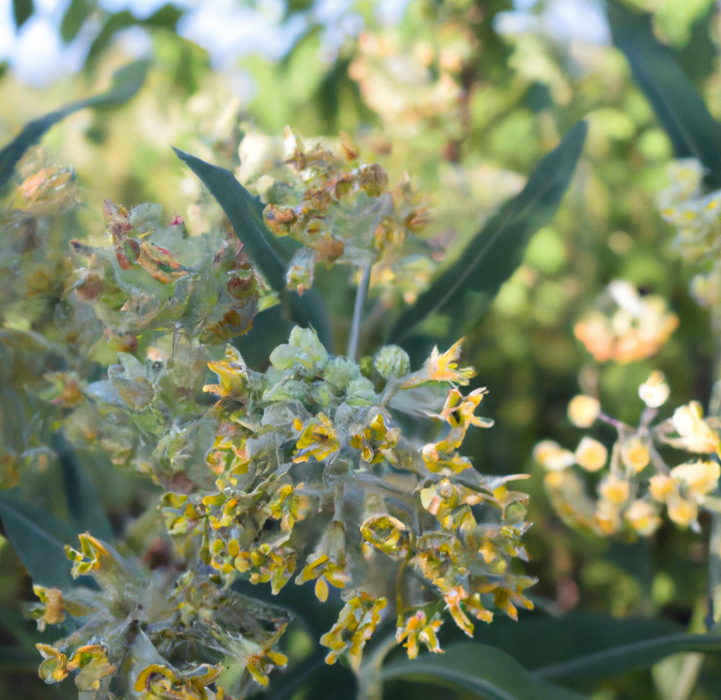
419,629
607,518
591,454
387,534
454,597
583,410
614,490
92,555
696,434
661,487
319,439
551,456
654,391
634,455
643,518
232,374
51,608
699,478
54,667
682,511
442,367
356,623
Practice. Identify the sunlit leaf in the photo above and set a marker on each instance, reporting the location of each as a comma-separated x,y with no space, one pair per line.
694,133
495,252
484,671
126,82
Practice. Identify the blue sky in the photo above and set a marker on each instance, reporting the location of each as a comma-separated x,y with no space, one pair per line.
228,30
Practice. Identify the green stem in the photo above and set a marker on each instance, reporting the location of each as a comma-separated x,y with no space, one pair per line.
360,299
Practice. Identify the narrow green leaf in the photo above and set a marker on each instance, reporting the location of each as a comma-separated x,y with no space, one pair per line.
23,631
22,11
126,82
486,672
495,252
84,504
245,213
626,657
38,539
73,19
679,108
15,660
574,635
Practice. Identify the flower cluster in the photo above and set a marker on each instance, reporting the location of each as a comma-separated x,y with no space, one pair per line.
341,210
302,474
311,435
133,628
697,219
636,483
626,326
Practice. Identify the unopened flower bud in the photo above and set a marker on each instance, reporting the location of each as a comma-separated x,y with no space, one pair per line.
392,361
583,410
654,391
591,454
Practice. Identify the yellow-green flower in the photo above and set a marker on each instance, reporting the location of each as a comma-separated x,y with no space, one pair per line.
419,630
318,439
356,623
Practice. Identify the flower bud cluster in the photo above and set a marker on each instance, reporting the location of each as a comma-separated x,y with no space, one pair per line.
339,210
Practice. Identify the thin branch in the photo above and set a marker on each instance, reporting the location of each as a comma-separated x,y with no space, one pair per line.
360,299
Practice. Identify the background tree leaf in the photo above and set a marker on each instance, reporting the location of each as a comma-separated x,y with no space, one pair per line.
84,504
164,18
495,252
22,11
38,539
486,672
125,84
679,108
245,213
74,18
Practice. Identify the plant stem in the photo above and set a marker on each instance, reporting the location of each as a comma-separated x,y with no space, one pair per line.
360,299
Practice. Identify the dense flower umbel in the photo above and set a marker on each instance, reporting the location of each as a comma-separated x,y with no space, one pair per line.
637,483
311,435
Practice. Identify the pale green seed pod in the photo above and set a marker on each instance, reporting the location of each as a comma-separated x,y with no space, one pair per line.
392,361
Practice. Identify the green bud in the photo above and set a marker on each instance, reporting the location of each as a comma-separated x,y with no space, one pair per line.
392,361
